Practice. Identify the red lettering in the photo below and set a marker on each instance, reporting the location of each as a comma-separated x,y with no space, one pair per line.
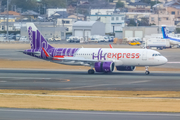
124,54
133,55
137,55
109,55
119,55
128,55
114,55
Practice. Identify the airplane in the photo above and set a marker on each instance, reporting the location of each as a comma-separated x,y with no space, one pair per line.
99,59
173,40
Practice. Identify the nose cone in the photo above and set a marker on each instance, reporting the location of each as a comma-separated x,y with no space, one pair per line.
164,60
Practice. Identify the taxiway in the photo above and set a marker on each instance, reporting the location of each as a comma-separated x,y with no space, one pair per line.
80,80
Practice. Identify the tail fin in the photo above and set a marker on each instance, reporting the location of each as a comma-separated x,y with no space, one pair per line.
37,40
164,32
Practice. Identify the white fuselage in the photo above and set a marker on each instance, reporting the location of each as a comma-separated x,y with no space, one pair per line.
121,57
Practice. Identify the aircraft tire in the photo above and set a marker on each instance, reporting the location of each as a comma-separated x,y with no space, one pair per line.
91,71
147,72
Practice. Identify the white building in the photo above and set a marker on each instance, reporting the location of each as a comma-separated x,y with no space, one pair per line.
113,23
67,22
52,11
140,31
102,11
88,28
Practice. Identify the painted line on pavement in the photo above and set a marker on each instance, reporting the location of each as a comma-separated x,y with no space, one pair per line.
23,78
98,85
173,62
71,96
93,113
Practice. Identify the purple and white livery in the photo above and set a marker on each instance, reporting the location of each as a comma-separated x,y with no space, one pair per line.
99,59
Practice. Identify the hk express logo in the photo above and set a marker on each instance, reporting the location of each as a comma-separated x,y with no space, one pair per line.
101,56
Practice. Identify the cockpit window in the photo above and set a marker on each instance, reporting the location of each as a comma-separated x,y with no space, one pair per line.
156,55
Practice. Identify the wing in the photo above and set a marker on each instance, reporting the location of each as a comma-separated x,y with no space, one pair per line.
74,59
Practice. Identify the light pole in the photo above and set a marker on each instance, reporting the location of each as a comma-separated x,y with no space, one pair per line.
7,20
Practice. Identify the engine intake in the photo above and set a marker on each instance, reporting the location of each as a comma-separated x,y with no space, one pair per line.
104,66
125,68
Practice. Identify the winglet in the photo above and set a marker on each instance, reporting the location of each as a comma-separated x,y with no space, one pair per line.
47,55
110,46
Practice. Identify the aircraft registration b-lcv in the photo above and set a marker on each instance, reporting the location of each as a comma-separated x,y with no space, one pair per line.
99,59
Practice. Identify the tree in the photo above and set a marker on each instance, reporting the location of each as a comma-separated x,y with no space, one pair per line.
144,22
55,3
119,4
132,22
152,3
178,30
34,5
25,5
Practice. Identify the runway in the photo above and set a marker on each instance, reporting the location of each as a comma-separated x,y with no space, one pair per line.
31,114
80,80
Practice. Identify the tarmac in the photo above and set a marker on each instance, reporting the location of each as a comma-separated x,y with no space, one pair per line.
81,80
32,114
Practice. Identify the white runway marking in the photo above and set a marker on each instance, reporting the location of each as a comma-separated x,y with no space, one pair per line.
71,96
3,81
173,62
93,113
98,85
24,78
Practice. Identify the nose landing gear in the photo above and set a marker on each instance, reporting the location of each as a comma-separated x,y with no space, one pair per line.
147,71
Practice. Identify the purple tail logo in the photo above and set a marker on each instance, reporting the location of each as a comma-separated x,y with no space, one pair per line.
37,40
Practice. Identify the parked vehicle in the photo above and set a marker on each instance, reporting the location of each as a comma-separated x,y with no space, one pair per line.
134,43
101,38
111,38
73,39
2,35
106,38
18,36
78,39
94,38
54,39
23,39
98,38
12,37
156,43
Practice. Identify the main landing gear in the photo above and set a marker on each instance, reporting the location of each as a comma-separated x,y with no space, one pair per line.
147,71
91,71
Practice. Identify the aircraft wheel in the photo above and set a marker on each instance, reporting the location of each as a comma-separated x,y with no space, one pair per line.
91,71
147,72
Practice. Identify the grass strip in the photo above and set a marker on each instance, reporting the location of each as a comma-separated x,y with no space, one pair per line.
92,103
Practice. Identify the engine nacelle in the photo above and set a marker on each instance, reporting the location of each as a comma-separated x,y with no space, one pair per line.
125,68
104,66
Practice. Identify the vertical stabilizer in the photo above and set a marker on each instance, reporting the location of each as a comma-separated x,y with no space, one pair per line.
37,40
164,32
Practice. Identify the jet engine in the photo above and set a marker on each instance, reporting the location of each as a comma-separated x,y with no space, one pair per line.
104,66
125,68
